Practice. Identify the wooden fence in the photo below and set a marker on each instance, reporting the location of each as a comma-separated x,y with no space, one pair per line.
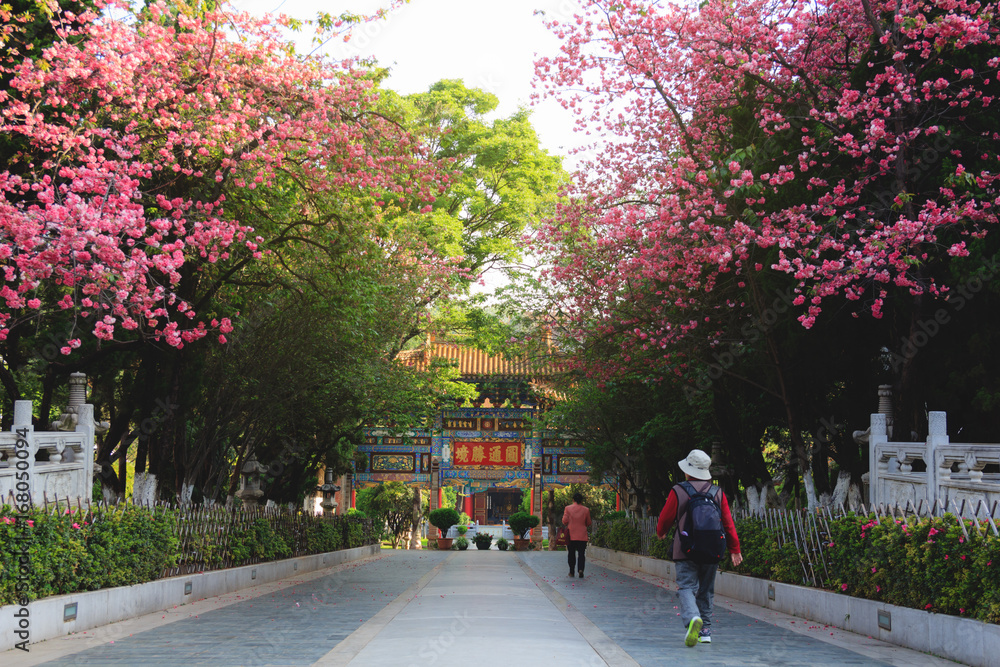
194,523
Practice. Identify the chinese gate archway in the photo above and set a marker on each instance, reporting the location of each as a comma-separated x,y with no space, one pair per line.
490,454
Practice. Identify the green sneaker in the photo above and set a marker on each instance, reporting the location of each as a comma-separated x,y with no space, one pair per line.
694,627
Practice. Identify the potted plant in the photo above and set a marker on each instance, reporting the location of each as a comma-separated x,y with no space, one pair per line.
461,529
482,540
520,523
461,542
443,518
502,543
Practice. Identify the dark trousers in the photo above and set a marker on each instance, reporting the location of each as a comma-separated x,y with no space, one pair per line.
575,555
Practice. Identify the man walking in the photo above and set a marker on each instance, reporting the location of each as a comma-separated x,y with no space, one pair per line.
576,518
705,529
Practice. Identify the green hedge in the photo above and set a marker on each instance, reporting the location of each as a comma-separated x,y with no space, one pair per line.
925,563
69,551
617,532
922,563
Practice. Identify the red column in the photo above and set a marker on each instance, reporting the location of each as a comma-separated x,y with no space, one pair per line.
468,506
618,503
440,497
353,498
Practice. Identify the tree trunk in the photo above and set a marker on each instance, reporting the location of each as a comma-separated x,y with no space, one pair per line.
414,519
801,459
123,470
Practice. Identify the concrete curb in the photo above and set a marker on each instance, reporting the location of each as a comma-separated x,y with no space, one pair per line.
112,605
962,639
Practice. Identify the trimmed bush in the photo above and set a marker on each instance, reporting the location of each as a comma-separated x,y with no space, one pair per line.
69,550
521,522
443,518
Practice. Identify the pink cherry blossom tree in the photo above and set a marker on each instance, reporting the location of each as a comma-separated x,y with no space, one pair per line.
144,137
131,124
842,144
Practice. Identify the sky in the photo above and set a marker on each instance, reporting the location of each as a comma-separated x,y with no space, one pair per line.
489,44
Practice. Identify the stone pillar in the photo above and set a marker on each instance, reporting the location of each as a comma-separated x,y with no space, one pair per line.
876,436
77,392
885,406
435,498
536,497
23,427
85,424
937,436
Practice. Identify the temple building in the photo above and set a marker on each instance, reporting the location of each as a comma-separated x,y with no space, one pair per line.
489,452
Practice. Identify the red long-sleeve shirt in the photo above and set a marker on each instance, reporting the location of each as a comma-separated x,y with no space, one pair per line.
669,515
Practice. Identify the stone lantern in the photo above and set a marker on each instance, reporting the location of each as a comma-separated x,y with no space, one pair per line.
70,416
329,505
250,491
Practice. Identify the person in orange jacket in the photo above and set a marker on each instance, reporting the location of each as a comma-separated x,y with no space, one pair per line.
576,518
696,581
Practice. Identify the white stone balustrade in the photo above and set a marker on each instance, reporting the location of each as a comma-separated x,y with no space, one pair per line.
954,472
69,470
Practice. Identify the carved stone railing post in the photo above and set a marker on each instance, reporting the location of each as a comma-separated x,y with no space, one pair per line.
86,425
65,470
24,429
937,439
876,468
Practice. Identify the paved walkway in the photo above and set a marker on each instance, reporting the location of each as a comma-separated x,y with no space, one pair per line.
460,608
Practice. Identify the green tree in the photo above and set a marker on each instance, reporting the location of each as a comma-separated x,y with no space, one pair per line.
390,505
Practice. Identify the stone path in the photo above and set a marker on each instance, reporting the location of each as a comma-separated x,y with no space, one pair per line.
460,608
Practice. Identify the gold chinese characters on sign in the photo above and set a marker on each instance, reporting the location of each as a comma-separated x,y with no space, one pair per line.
487,454
461,424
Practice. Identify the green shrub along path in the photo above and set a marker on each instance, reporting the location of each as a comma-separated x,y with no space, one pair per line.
71,550
941,564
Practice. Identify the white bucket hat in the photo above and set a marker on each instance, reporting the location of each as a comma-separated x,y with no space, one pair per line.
696,464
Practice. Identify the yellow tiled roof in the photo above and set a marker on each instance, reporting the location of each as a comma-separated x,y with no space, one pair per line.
475,363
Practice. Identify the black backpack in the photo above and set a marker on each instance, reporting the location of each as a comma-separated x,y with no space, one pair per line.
702,538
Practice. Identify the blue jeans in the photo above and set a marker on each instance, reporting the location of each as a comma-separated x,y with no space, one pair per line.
696,590
576,547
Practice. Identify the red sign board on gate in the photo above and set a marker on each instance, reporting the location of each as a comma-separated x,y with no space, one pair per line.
487,454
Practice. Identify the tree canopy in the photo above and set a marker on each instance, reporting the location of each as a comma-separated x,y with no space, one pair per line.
770,163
